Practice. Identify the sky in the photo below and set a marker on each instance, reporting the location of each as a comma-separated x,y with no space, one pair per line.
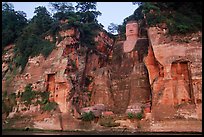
112,12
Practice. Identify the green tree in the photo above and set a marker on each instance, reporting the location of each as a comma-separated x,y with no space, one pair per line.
63,10
89,25
62,6
87,116
31,42
87,11
8,102
31,45
137,3
28,95
6,6
85,6
121,31
41,22
88,32
13,23
180,17
113,28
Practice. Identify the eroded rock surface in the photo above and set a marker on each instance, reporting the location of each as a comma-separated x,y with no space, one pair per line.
149,72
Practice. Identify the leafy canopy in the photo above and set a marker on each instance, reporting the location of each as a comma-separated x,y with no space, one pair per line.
31,42
180,17
13,23
28,36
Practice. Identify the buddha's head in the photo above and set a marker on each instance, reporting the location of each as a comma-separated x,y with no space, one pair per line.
131,30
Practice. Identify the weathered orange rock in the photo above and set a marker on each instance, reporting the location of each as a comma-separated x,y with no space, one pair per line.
101,89
156,69
174,61
107,113
97,109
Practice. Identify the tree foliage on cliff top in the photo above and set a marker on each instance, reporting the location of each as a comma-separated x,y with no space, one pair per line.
180,17
31,42
28,35
13,23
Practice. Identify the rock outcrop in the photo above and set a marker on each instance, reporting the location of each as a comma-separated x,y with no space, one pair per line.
148,72
173,68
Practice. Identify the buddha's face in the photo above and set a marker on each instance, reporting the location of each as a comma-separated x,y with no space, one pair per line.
131,29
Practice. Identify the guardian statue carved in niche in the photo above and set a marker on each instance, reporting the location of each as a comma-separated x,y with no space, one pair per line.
181,80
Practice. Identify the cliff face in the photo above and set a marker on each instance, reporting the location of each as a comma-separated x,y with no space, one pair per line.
175,74
147,72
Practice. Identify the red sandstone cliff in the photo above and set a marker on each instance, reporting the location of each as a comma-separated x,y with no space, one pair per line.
156,72
175,69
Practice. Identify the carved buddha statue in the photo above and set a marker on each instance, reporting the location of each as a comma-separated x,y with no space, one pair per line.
128,71
131,36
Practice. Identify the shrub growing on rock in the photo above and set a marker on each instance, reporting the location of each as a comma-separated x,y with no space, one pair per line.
87,116
130,115
50,106
28,95
139,115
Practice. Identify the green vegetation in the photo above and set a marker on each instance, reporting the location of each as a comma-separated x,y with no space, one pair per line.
180,17
112,28
13,23
28,97
50,106
8,102
138,115
31,45
130,115
87,116
28,36
44,97
31,42
84,19
9,77
62,9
